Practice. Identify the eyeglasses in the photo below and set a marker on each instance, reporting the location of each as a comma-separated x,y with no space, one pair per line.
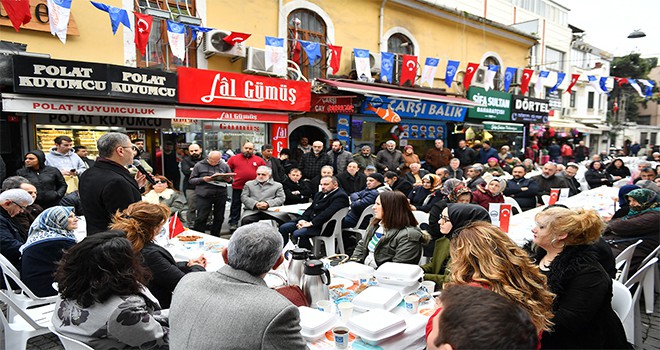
156,182
445,218
20,206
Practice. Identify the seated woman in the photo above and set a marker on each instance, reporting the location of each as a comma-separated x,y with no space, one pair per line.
453,218
618,170
142,222
493,167
641,222
49,236
490,192
460,194
584,318
103,301
483,254
392,235
163,192
624,207
596,175
429,195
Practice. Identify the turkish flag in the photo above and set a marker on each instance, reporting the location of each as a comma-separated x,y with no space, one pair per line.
574,79
524,82
142,30
408,70
505,216
621,81
18,12
554,195
175,226
469,74
236,38
335,58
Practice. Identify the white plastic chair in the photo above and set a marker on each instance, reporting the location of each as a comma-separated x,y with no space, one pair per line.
421,217
622,304
329,242
641,278
622,261
23,297
513,202
649,287
28,323
621,183
68,342
366,215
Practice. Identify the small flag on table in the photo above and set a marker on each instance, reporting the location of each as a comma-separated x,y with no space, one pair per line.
500,215
175,226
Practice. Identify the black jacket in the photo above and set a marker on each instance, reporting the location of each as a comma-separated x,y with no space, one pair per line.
48,180
105,188
584,318
73,200
411,178
38,263
545,185
165,270
402,185
455,174
572,183
279,174
322,209
526,199
622,232
467,156
187,164
208,189
310,165
302,191
351,184
597,178
10,239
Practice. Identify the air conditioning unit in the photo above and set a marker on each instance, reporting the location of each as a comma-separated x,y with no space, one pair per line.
479,77
214,45
255,63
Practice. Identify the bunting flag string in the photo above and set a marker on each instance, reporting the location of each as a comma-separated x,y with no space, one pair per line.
489,79
408,70
143,24
603,85
524,82
574,80
116,14
18,12
452,68
509,74
312,49
236,38
335,57
199,29
469,74
275,55
538,87
386,66
362,64
560,79
58,17
635,86
428,72
594,83
176,36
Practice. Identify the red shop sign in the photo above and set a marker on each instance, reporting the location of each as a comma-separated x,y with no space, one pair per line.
279,134
233,116
332,104
214,88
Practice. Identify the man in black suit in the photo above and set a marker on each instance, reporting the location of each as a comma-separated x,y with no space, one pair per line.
274,164
108,186
352,180
397,183
325,204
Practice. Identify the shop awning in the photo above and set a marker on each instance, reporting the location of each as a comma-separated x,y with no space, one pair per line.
569,124
231,115
369,89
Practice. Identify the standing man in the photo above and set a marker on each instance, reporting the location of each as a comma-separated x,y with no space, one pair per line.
437,157
554,151
245,166
171,164
390,158
187,164
312,162
81,151
339,157
365,158
303,148
211,191
466,155
143,152
63,158
486,152
108,186
581,152
523,190
274,164
352,180
261,194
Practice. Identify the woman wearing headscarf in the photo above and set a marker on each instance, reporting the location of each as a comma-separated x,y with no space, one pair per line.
618,170
51,233
460,194
494,167
623,202
48,180
452,219
490,192
424,201
596,175
641,222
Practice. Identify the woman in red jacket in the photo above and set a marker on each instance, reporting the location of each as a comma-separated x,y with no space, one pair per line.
490,192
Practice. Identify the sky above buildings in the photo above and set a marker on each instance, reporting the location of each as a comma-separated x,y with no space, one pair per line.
608,23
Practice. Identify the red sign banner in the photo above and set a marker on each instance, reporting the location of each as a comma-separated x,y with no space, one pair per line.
332,104
279,135
215,88
233,116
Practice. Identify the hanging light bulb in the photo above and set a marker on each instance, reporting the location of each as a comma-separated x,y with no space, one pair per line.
637,33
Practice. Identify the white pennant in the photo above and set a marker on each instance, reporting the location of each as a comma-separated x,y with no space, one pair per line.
58,17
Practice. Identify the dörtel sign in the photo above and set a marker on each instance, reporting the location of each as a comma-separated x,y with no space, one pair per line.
528,109
213,88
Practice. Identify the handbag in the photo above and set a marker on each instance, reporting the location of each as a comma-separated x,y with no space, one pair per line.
291,292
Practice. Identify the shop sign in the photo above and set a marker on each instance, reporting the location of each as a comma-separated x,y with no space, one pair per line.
52,106
332,104
529,109
414,109
344,130
413,131
554,99
214,88
279,135
235,116
103,120
36,75
494,105
497,127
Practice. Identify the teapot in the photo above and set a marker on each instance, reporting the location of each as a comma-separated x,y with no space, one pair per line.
315,281
298,256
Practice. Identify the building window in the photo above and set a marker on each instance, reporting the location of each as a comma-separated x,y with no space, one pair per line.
309,26
654,138
590,100
572,100
643,137
554,59
158,53
399,44
490,60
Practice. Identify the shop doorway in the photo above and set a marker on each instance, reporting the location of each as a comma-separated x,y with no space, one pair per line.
311,128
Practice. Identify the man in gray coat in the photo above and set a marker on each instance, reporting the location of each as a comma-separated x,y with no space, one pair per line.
390,159
261,194
233,308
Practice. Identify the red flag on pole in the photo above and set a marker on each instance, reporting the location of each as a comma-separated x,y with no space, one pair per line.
469,74
505,216
142,30
235,38
295,48
175,226
524,82
335,58
574,79
615,106
554,195
408,70
18,12
621,81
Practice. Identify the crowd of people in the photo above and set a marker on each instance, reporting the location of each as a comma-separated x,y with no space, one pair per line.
557,289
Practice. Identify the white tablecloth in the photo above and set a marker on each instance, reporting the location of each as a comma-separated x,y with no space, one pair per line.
291,208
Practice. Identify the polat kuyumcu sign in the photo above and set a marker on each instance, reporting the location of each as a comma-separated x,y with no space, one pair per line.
528,109
44,76
214,88
414,109
103,120
494,105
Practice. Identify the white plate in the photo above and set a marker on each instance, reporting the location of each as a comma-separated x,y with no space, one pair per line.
345,282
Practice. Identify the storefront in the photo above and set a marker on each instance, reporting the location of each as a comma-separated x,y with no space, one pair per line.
223,110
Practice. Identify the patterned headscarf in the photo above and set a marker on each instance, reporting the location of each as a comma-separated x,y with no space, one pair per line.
623,193
449,186
647,199
436,181
50,225
502,184
459,191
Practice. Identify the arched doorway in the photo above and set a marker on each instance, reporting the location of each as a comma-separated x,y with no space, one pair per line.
311,128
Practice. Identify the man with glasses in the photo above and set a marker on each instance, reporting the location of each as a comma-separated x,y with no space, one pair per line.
210,180
24,219
12,203
261,194
108,186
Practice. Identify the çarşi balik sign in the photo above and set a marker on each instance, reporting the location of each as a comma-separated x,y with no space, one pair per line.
45,76
494,105
214,88
529,109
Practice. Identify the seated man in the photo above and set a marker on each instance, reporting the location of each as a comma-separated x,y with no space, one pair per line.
352,180
523,190
548,180
315,183
12,202
326,203
260,194
454,169
398,183
415,175
296,190
361,200
233,307
473,174
569,175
